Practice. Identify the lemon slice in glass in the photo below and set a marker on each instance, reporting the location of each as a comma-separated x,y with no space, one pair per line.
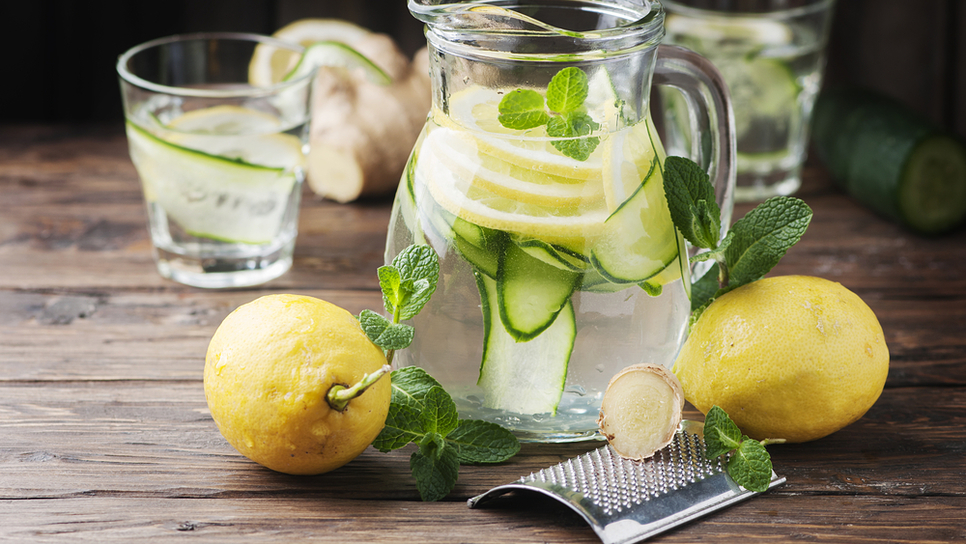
269,64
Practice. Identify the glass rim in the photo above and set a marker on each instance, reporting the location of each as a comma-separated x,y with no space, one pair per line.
128,77
675,6
456,22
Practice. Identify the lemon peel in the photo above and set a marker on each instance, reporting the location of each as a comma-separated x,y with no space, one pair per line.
792,357
268,370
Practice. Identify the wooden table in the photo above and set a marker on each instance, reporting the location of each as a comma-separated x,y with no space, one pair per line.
105,435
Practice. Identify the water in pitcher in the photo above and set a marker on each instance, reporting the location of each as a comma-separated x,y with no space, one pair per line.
538,180
556,273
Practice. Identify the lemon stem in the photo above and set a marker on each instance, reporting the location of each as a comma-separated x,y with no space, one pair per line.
339,396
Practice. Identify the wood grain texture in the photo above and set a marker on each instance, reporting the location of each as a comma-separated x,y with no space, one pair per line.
105,435
317,518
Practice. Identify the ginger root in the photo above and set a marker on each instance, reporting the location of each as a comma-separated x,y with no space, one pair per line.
641,410
362,132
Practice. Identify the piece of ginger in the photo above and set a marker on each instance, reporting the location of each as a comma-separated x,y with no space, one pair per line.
362,132
641,410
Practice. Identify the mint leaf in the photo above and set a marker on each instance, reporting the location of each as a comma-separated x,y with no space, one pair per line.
483,442
390,282
385,333
418,270
569,127
432,445
761,238
410,385
567,90
721,435
439,412
522,109
404,424
703,290
418,262
435,475
750,466
691,202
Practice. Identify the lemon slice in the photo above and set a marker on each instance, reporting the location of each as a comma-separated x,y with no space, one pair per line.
224,120
475,111
570,226
240,134
338,55
459,154
270,64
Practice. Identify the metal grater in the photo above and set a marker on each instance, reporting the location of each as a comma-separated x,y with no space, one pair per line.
629,501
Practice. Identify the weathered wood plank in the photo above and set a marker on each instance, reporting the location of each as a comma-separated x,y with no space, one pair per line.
157,438
766,518
105,335
100,334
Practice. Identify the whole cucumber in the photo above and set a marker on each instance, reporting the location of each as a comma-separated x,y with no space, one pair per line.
891,159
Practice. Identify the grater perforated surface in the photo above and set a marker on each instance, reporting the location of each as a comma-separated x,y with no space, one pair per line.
628,501
614,483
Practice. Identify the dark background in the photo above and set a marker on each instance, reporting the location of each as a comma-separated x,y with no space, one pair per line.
60,54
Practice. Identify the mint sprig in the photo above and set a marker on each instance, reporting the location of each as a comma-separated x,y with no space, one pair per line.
751,247
567,119
420,410
749,464
423,413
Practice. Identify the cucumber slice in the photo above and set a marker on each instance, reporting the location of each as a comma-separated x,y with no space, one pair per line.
523,378
638,240
531,293
479,246
211,196
678,269
891,159
339,55
405,206
591,281
554,254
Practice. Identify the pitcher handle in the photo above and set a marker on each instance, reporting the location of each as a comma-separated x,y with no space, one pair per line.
711,118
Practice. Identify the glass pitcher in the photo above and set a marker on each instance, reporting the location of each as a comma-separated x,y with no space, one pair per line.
538,181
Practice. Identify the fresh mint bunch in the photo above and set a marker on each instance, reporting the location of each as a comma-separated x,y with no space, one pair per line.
752,246
749,250
420,410
749,464
407,284
567,119
423,413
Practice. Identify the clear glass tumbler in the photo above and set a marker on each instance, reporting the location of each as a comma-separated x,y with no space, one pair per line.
772,55
221,160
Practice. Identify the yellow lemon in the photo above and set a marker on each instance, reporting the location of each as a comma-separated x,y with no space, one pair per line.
793,357
268,370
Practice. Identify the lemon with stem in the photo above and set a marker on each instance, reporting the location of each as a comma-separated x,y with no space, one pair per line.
294,384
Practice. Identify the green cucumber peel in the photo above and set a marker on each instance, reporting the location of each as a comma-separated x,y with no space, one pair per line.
751,247
420,410
749,463
562,110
